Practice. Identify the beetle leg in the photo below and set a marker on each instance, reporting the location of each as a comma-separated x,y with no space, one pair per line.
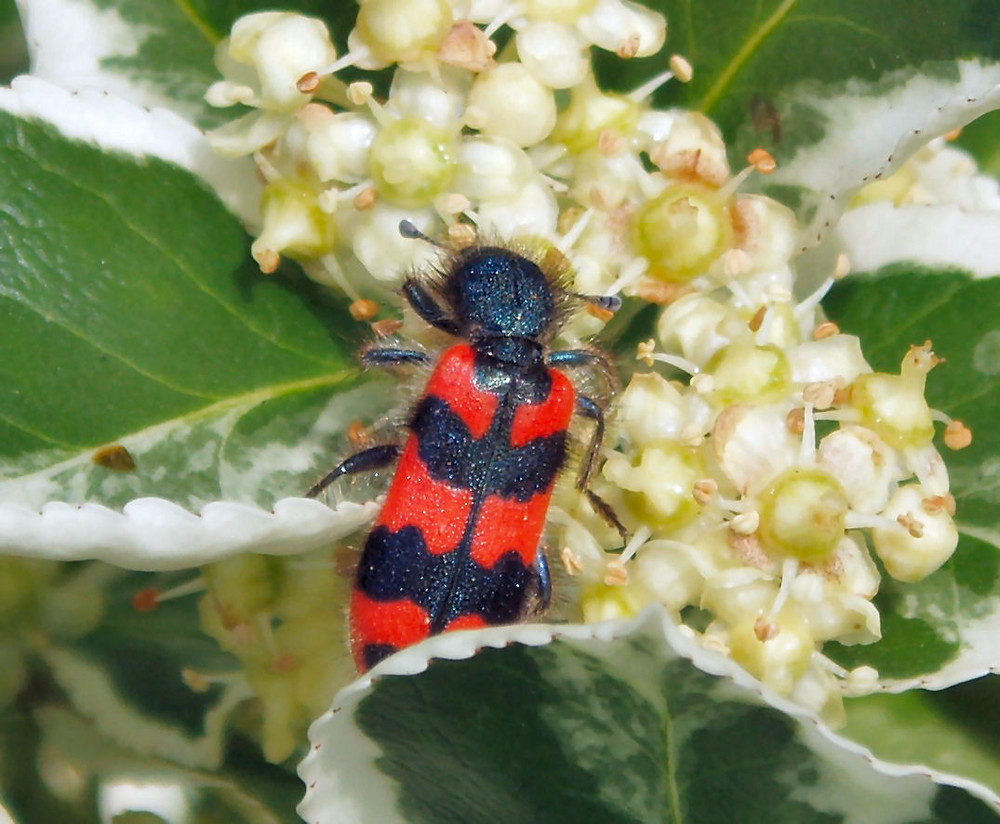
544,581
425,305
587,358
392,356
589,408
365,461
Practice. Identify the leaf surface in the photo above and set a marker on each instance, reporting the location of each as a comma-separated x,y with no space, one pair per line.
585,730
133,315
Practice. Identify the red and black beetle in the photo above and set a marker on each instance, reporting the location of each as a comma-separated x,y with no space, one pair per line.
458,542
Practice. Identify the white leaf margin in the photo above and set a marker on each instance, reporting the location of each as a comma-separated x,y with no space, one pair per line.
153,534
875,127
92,693
118,125
344,785
934,235
68,40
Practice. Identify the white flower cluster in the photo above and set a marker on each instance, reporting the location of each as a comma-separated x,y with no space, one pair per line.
756,491
464,141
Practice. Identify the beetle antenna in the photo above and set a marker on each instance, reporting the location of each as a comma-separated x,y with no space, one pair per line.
610,303
409,230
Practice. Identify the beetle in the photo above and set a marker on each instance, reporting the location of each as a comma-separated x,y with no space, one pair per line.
457,544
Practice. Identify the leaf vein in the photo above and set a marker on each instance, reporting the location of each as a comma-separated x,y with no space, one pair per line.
35,433
62,324
741,57
673,792
198,22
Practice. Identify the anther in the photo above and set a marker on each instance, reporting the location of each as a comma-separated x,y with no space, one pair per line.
363,309
795,421
615,574
762,161
571,561
827,329
387,326
705,490
957,435
365,199
910,523
681,68
308,83
765,630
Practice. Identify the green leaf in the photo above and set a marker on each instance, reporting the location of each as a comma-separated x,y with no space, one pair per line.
624,730
132,314
955,731
13,52
152,52
747,55
946,628
981,139
839,91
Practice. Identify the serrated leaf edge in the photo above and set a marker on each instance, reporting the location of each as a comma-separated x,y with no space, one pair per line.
879,129
156,534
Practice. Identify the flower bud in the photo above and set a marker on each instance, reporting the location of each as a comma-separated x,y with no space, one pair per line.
438,99
492,168
281,46
533,211
338,146
923,541
553,54
508,102
403,32
629,29
560,11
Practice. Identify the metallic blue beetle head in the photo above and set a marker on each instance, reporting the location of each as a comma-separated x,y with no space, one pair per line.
503,293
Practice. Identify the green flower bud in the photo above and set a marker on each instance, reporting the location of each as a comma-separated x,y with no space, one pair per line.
744,373
412,162
802,515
